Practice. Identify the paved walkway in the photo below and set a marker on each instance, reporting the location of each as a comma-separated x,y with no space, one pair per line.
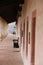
9,55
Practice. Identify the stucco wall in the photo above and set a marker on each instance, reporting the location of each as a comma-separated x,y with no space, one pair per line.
38,5
28,8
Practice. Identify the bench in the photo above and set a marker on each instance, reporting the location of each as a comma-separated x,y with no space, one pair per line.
15,43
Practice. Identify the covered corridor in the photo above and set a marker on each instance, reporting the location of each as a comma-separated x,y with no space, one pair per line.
27,16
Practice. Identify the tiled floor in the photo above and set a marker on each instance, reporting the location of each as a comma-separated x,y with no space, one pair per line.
9,55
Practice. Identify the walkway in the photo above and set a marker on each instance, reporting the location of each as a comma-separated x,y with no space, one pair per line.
9,55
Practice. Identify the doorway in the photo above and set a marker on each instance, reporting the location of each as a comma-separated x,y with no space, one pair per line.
20,34
27,27
33,38
24,35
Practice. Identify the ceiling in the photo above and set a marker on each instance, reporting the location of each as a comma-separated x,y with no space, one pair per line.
9,9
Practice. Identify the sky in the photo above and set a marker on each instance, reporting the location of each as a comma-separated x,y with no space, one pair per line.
11,28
